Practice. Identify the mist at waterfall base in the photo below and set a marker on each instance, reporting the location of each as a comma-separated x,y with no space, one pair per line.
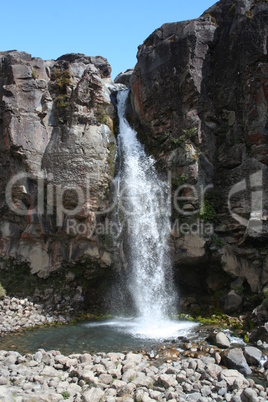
143,214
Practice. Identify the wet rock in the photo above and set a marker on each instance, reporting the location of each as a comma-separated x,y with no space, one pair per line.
260,333
261,312
219,339
234,359
253,355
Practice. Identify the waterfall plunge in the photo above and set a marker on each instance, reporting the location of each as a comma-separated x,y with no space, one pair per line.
144,204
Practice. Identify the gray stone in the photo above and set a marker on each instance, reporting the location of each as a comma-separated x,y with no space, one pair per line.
93,395
167,380
250,395
41,100
232,376
118,384
129,375
105,378
6,394
124,77
3,380
234,359
49,372
232,302
219,339
253,355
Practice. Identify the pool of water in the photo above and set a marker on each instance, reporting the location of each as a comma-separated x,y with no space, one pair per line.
117,335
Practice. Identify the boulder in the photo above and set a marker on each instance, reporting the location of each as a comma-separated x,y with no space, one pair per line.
232,302
184,92
253,355
259,334
124,77
261,311
219,339
234,359
249,395
232,377
93,395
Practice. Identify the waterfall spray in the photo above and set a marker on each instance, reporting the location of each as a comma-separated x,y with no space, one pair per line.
144,203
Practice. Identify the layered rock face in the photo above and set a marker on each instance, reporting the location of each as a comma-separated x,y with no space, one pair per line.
200,105
200,101
58,147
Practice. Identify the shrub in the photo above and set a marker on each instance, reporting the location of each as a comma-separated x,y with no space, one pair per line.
65,394
207,212
62,79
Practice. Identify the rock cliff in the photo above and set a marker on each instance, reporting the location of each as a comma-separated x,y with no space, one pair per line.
57,155
200,102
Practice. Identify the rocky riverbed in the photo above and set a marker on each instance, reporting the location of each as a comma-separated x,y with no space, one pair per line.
50,376
16,314
206,369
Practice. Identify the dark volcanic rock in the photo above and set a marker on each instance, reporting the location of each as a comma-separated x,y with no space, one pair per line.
58,146
124,77
234,359
219,339
200,102
253,355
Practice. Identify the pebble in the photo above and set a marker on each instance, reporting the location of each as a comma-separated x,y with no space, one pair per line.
86,377
112,377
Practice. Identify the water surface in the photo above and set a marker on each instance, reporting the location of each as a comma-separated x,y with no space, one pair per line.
117,335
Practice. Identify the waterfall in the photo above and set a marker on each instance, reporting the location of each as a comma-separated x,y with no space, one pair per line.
145,211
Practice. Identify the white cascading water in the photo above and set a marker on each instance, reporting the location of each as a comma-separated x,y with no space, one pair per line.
145,207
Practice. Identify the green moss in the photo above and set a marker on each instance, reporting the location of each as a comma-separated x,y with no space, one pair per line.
66,394
207,211
60,83
188,134
246,338
2,292
104,117
62,103
178,181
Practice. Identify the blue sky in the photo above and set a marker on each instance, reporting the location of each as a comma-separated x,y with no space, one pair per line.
110,28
